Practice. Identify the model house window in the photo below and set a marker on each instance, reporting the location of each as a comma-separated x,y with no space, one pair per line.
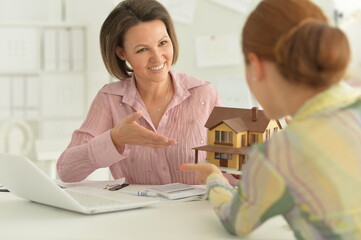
243,140
230,137
216,138
268,133
226,156
223,137
253,138
275,129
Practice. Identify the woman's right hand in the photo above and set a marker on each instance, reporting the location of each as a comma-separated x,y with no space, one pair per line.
128,131
203,170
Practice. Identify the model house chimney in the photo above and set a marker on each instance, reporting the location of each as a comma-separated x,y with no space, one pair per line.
254,114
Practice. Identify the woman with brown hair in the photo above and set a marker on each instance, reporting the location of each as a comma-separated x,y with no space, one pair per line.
145,125
309,172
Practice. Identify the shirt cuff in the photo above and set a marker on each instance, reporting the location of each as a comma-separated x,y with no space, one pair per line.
104,152
215,177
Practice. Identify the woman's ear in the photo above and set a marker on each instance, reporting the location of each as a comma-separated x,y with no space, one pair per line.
257,69
120,53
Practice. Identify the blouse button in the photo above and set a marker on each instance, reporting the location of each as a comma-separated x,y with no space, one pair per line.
201,141
202,102
177,171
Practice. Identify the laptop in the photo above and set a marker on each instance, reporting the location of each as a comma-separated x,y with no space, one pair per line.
24,179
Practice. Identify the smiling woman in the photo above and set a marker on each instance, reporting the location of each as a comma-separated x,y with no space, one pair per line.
133,125
148,49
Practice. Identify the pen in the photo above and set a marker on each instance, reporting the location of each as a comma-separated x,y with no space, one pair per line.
140,193
115,187
2,189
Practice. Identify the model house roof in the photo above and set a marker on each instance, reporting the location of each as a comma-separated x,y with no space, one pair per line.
239,119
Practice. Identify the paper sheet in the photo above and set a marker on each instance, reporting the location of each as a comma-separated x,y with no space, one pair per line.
19,48
180,10
241,6
234,92
217,50
97,184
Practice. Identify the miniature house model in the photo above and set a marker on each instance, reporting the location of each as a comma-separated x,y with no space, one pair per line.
231,131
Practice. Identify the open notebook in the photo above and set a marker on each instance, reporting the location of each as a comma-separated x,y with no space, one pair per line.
24,179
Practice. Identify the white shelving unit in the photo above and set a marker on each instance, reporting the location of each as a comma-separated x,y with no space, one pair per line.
42,79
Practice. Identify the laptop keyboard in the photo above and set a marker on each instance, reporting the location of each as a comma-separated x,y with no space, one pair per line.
92,201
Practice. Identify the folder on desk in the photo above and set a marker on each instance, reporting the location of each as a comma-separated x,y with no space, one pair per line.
178,190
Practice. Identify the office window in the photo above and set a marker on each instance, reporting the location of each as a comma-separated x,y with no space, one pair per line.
217,155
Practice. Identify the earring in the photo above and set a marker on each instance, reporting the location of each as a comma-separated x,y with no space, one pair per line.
128,65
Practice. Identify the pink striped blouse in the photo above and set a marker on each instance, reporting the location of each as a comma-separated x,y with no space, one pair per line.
91,146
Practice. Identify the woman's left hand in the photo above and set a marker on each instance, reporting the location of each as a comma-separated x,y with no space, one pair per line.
203,170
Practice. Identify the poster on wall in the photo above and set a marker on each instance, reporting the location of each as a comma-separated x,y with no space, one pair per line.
19,48
234,92
241,6
181,10
217,50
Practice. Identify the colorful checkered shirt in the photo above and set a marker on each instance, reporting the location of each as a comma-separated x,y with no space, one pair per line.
310,173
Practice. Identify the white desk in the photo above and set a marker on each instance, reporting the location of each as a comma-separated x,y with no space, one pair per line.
21,219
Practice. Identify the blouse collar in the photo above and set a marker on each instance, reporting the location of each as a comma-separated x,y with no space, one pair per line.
338,96
182,83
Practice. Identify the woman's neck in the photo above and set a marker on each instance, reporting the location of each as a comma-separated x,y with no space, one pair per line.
156,97
153,90
297,95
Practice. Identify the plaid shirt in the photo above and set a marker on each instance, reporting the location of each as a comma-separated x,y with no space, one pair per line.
310,173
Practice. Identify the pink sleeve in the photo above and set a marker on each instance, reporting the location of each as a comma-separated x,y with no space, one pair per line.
91,146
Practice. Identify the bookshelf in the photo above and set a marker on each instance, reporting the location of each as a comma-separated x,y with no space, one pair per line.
43,79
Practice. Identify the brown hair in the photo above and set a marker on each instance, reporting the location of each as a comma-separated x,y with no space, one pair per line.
125,15
296,36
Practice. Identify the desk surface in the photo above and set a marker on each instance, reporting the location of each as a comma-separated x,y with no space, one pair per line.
21,219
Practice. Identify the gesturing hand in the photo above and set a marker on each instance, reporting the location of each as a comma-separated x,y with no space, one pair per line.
203,170
128,131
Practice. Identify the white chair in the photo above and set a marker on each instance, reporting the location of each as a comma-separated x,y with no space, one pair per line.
16,137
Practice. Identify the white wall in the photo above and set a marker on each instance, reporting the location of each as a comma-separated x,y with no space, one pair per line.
209,19
92,13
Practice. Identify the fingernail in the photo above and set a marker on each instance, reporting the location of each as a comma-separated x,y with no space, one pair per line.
182,167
